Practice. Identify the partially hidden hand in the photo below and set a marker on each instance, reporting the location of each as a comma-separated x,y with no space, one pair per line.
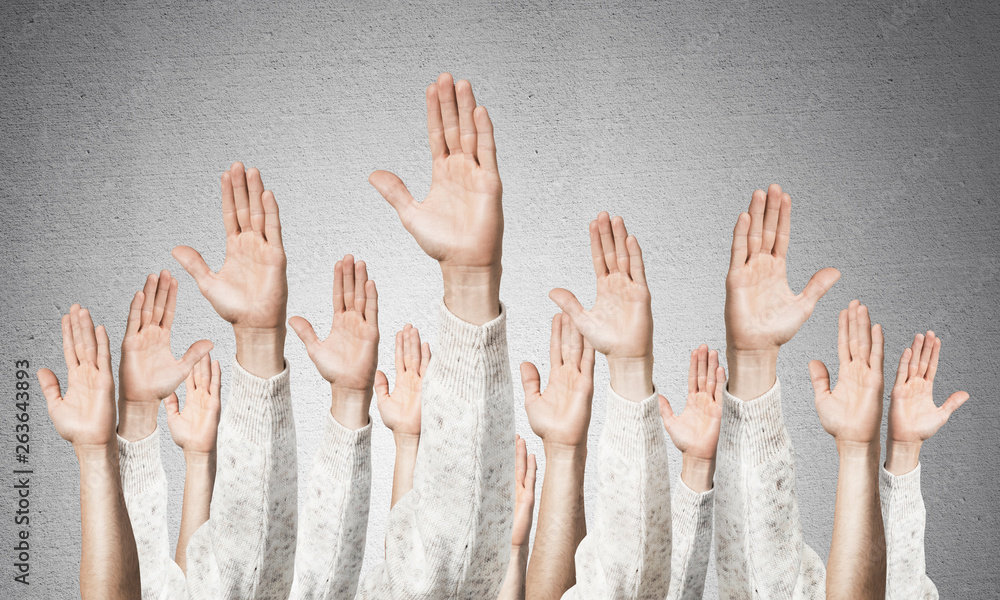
852,411
148,372
251,289
913,416
525,468
195,428
85,416
620,324
695,431
400,410
561,414
347,358
460,222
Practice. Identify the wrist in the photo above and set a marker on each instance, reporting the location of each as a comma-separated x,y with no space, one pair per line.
697,473
406,441
902,457
199,458
572,454
632,378
751,372
472,293
349,406
261,350
96,454
859,451
137,419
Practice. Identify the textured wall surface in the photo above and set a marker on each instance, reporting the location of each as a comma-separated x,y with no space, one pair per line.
879,118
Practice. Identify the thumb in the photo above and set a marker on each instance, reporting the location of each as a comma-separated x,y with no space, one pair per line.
531,381
194,264
819,285
820,378
565,300
173,407
195,353
394,191
304,330
49,383
381,386
953,402
666,412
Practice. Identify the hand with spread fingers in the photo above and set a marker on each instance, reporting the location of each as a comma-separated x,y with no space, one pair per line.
620,324
460,222
251,289
913,416
525,469
148,372
695,431
347,358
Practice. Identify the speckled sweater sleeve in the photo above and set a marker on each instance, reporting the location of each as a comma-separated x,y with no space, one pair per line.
759,548
247,547
144,485
449,537
692,541
904,517
627,553
331,544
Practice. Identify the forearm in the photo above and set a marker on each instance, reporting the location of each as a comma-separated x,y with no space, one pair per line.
514,582
691,514
199,480
109,562
561,523
406,460
904,518
857,563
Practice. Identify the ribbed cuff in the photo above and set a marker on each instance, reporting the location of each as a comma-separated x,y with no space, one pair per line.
691,509
900,493
468,357
757,425
632,429
259,409
139,463
344,452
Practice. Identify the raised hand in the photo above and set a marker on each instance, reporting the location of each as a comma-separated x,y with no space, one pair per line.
400,410
525,468
561,414
460,222
250,290
852,411
85,416
913,416
695,431
620,324
348,356
148,371
195,428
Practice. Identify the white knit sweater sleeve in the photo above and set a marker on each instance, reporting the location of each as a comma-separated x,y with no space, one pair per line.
759,548
692,541
627,553
247,547
144,485
904,518
331,545
449,537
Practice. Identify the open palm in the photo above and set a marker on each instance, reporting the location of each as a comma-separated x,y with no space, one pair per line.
196,427
695,431
460,222
762,312
852,410
400,410
561,414
913,416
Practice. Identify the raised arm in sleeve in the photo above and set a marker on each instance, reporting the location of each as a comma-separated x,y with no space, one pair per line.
904,517
692,541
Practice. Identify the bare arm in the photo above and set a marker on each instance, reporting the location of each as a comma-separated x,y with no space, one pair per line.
85,416
524,507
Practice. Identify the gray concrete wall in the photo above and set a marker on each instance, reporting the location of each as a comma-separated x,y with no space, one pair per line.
879,118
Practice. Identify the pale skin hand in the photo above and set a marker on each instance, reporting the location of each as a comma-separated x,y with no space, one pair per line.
620,324
400,410
852,413
196,429
251,289
460,222
348,356
913,416
85,416
695,431
561,417
148,372
762,312
525,469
